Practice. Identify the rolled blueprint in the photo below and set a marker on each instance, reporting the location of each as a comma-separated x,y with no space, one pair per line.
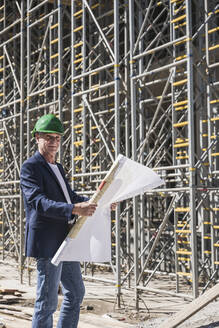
90,238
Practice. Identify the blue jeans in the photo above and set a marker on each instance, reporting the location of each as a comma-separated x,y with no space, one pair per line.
48,278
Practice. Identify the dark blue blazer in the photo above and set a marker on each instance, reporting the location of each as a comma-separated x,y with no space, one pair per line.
47,212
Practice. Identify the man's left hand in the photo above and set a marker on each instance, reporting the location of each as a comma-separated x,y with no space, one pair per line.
114,206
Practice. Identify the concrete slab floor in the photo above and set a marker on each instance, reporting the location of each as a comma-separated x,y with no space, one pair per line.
99,307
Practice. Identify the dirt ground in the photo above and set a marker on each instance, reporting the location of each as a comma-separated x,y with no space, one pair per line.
99,308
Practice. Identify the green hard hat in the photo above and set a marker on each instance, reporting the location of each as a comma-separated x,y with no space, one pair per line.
48,123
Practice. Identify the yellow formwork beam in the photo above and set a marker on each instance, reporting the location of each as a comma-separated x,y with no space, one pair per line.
213,12
182,209
79,44
213,30
177,1
181,57
77,29
178,145
180,124
185,242
78,13
181,108
179,9
214,101
215,119
54,26
175,20
42,72
78,143
183,102
182,225
182,153
78,126
54,56
54,41
95,5
95,167
54,71
213,47
184,259
186,274
78,158
182,157
78,60
180,82
179,25
78,110
184,252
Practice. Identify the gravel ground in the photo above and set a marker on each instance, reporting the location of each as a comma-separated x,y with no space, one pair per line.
99,309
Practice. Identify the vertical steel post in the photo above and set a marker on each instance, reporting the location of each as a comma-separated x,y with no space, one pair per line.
22,50
60,71
141,137
117,141
72,89
28,76
134,143
191,135
127,131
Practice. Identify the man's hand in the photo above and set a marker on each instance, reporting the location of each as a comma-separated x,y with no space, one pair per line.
114,206
84,209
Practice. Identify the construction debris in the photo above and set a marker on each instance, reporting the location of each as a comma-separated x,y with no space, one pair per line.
9,296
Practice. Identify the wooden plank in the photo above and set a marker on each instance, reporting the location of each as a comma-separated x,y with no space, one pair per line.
191,308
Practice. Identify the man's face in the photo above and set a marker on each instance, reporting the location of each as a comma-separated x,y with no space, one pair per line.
48,143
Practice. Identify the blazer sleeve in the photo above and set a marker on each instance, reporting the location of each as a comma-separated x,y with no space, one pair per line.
32,188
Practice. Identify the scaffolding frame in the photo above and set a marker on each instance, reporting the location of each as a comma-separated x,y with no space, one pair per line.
137,77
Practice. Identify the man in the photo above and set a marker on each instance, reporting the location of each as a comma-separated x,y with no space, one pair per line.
50,207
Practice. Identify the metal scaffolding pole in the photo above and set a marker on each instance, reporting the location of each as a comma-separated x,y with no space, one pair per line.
133,77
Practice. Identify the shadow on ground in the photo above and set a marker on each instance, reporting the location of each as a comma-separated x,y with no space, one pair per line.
211,325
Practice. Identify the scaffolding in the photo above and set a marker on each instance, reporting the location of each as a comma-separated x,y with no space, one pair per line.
137,77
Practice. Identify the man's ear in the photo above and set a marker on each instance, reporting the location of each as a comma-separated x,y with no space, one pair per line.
37,137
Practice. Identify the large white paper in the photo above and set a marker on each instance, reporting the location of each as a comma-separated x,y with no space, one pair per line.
93,241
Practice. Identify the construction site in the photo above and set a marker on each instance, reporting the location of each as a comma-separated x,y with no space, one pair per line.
133,77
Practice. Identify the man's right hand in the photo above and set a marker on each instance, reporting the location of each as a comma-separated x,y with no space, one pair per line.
84,209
